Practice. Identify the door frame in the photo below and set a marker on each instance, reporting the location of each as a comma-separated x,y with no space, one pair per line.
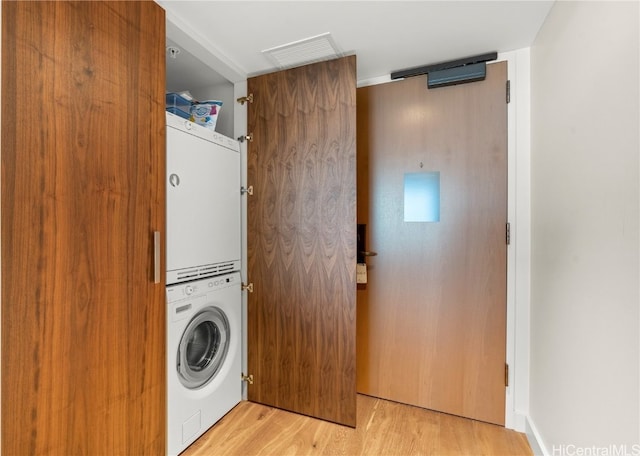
519,252
518,209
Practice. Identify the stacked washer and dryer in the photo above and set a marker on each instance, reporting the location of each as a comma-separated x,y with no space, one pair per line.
203,280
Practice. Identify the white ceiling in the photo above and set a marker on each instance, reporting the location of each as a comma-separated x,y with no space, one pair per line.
384,35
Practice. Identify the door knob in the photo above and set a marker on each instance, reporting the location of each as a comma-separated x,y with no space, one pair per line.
369,253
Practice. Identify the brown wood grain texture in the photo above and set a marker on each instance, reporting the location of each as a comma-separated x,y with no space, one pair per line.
384,428
83,325
301,240
432,319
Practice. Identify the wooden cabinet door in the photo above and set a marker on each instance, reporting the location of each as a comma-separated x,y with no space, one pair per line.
83,323
302,240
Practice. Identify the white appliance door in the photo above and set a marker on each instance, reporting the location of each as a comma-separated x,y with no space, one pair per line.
203,206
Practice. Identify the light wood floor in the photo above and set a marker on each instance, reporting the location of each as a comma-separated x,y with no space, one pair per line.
384,428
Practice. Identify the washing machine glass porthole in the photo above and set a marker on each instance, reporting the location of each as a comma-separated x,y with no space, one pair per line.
202,345
203,348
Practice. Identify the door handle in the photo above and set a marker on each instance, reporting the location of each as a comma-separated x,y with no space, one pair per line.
361,246
156,257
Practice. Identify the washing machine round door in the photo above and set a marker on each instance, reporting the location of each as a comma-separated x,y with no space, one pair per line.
203,347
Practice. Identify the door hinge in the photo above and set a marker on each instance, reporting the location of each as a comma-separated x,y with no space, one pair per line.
508,91
248,190
506,375
243,100
248,287
244,138
247,378
508,233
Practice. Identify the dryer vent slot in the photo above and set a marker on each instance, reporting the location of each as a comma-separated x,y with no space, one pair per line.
188,275
201,272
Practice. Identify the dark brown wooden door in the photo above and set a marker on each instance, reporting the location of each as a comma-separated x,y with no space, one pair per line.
302,240
432,318
83,324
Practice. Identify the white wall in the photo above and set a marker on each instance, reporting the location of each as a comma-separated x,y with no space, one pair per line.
584,385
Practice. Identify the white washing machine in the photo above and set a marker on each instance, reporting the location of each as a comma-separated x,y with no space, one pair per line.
203,356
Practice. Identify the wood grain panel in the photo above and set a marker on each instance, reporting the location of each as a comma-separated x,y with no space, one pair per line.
384,428
301,240
83,334
432,319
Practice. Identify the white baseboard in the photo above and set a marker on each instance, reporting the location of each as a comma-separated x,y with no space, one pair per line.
535,440
517,422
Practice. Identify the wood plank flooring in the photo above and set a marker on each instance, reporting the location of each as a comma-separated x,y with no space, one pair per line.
384,428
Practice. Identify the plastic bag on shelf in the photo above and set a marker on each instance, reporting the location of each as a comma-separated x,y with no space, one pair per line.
206,113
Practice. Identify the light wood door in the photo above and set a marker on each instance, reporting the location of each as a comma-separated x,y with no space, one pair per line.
432,318
302,240
83,324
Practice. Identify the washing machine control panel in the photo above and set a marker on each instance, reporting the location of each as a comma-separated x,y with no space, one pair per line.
183,298
200,287
214,283
218,282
